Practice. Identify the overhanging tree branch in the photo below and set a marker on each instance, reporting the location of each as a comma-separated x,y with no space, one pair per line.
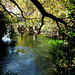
58,25
42,23
18,8
44,13
5,9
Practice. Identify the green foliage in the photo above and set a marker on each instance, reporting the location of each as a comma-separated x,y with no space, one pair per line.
64,54
70,31
12,36
62,58
2,25
62,14
46,47
48,44
9,19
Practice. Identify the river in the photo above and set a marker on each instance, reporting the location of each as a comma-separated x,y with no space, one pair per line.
26,55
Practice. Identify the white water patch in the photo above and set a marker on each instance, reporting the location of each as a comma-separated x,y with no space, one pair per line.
6,38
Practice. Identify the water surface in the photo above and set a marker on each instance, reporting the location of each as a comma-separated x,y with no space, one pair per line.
27,56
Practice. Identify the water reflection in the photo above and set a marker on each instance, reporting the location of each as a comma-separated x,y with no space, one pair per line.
19,58
20,61
25,56
35,37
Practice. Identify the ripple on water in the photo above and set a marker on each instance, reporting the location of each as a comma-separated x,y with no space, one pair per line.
22,64
25,67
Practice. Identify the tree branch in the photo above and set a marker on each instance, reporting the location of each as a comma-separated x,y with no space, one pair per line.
5,9
13,14
18,8
42,23
32,12
44,13
58,25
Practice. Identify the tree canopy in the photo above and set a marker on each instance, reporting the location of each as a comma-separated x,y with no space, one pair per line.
37,10
40,11
48,13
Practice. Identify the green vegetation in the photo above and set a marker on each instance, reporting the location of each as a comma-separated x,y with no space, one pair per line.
50,16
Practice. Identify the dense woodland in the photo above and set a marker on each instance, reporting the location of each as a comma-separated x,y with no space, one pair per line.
53,17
